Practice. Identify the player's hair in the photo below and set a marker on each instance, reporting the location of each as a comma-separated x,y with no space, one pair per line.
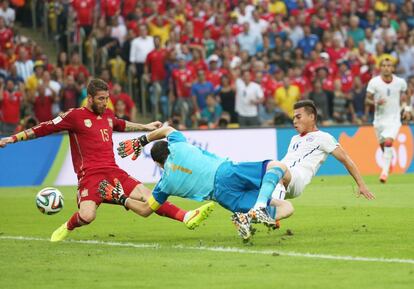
308,105
160,152
386,59
96,85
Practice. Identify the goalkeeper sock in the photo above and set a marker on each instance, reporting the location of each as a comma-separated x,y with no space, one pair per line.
269,182
171,211
76,221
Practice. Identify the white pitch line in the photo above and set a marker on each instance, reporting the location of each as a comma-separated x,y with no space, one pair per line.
220,249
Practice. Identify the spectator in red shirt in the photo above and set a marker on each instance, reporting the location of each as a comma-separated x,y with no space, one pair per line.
156,75
75,68
110,8
69,94
43,103
346,77
6,34
215,73
180,91
117,94
10,101
85,14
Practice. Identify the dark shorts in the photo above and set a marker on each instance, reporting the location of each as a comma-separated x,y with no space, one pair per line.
89,185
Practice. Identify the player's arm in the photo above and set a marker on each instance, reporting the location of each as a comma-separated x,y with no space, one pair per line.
340,154
59,123
407,109
134,146
132,126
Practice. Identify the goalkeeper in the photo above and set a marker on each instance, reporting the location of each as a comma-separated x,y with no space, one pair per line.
190,172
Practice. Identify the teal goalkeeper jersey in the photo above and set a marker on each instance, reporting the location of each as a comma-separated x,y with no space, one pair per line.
189,171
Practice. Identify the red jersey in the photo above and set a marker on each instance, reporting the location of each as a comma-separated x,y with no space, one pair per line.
196,66
336,54
75,70
6,36
215,76
84,10
155,61
110,7
129,103
90,137
182,82
129,7
43,108
10,107
347,81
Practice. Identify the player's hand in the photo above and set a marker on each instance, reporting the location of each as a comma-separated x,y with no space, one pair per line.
381,101
5,141
363,191
153,125
130,147
111,193
406,116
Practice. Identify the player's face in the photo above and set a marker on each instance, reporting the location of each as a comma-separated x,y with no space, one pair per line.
302,121
99,102
386,68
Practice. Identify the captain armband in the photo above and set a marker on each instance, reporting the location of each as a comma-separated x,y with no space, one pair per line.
20,136
154,205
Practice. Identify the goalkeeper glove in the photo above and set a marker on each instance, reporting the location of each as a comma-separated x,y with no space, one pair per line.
112,194
132,146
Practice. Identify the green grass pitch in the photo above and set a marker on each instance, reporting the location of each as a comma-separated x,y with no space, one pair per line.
126,251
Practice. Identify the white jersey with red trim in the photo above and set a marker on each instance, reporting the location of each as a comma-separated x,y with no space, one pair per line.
389,112
307,152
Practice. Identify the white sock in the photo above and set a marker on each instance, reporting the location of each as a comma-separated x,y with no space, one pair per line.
387,160
187,216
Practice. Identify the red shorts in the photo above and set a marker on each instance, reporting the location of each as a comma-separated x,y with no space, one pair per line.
89,185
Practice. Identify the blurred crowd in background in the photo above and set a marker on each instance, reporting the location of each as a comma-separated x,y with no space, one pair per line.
202,64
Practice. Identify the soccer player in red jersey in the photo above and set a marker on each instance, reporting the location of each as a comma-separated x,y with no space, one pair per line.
90,131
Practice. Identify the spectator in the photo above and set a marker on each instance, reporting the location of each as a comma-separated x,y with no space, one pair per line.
358,100
69,94
320,98
248,95
268,112
141,46
355,31
130,110
227,97
10,103
43,104
286,96
308,42
120,110
342,106
156,76
75,67
180,91
36,78
249,41
7,13
24,65
212,112
200,90
405,56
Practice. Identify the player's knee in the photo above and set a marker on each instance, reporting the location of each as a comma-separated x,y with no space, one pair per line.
388,143
276,164
87,216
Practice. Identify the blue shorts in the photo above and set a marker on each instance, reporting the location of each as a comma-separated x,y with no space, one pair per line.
237,185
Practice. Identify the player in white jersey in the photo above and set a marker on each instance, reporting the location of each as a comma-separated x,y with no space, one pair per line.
306,153
386,92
